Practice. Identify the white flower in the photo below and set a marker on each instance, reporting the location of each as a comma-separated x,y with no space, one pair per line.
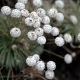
51,65
31,61
6,10
59,3
16,13
52,12
41,12
34,15
59,17
37,3
32,35
36,56
46,20
29,21
68,58
41,40
15,32
23,1
49,74
36,23
59,41
73,19
40,65
78,37
25,13
19,6
47,28
55,31
67,37
39,31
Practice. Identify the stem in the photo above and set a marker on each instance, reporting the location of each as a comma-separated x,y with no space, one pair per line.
9,74
68,50
53,54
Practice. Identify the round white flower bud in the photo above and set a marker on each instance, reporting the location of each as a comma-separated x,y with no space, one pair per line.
78,37
46,20
23,1
34,15
36,23
39,31
52,12
41,40
40,65
15,32
67,37
55,31
68,58
6,10
29,21
25,13
37,3
51,65
73,19
49,74
19,6
41,12
36,56
16,13
59,3
32,35
59,17
31,61
59,41
47,28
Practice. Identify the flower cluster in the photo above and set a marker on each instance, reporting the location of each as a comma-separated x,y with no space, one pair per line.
34,61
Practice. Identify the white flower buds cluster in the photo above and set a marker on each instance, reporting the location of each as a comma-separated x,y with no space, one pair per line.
33,61
51,66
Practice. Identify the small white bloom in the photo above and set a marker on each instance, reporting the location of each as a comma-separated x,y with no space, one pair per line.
41,40
47,28
40,65
39,31
37,3
36,56
31,61
34,15
46,20
41,12
59,3
32,35
52,12
59,41
6,10
19,6
29,21
16,13
49,74
25,13
67,37
78,37
59,17
23,1
15,32
51,65
36,23
68,58
73,19
55,31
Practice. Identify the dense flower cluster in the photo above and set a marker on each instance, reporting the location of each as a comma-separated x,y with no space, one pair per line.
39,20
